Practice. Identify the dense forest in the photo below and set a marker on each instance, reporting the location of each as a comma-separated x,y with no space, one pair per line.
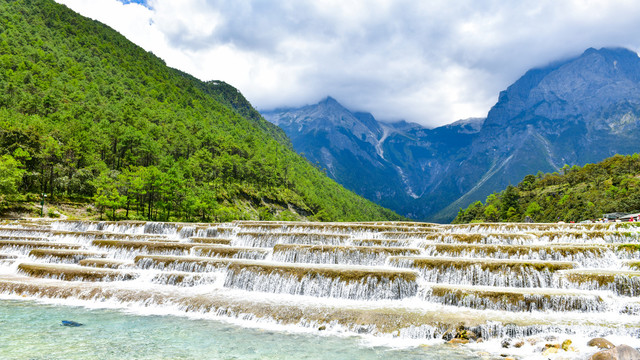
87,116
579,193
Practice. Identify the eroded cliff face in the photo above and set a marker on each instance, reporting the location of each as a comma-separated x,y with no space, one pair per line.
574,111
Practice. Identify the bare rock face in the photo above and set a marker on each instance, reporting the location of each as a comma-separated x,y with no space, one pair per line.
621,352
601,343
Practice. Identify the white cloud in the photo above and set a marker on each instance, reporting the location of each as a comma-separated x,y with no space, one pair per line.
430,62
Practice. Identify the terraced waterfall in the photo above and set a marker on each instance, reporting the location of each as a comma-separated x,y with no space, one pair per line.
390,280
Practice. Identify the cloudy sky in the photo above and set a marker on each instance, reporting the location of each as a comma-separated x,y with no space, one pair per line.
430,62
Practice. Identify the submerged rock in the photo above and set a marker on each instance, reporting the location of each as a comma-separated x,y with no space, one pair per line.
70,323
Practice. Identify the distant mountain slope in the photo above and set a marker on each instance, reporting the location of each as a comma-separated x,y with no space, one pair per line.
576,111
90,115
392,164
346,145
578,193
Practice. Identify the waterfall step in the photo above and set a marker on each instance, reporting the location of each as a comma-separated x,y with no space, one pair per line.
213,241
23,238
359,317
590,236
484,271
180,263
621,282
147,246
74,272
100,235
355,282
381,242
523,299
351,282
631,249
483,263
106,263
6,259
560,252
529,227
339,228
184,279
261,239
407,235
64,255
481,238
27,244
635,265
26,231
88,273
230,252
331,254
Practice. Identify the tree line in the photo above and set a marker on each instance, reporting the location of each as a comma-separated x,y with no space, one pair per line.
575,194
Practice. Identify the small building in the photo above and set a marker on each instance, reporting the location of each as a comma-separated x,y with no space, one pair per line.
613,216
630,217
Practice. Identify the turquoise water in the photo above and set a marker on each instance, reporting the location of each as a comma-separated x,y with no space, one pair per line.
30,330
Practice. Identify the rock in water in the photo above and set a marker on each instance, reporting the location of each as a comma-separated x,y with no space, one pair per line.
601,343
621,352
71,323
458,341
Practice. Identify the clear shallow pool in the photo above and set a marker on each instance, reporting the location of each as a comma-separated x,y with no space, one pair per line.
31,330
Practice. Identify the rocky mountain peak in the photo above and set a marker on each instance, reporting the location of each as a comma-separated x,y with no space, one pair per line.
579,85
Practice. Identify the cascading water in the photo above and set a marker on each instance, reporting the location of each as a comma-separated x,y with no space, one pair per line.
399,280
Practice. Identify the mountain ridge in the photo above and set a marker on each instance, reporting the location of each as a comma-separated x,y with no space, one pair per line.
574,111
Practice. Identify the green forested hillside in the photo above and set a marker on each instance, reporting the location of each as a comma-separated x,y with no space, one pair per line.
87,115
580,193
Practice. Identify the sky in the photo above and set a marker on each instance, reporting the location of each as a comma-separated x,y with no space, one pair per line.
431,62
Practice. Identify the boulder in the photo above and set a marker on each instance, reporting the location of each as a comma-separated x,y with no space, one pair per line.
621,352
467,334
601,343
449,334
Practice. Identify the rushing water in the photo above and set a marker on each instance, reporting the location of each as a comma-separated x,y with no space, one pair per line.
314,290
33,330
